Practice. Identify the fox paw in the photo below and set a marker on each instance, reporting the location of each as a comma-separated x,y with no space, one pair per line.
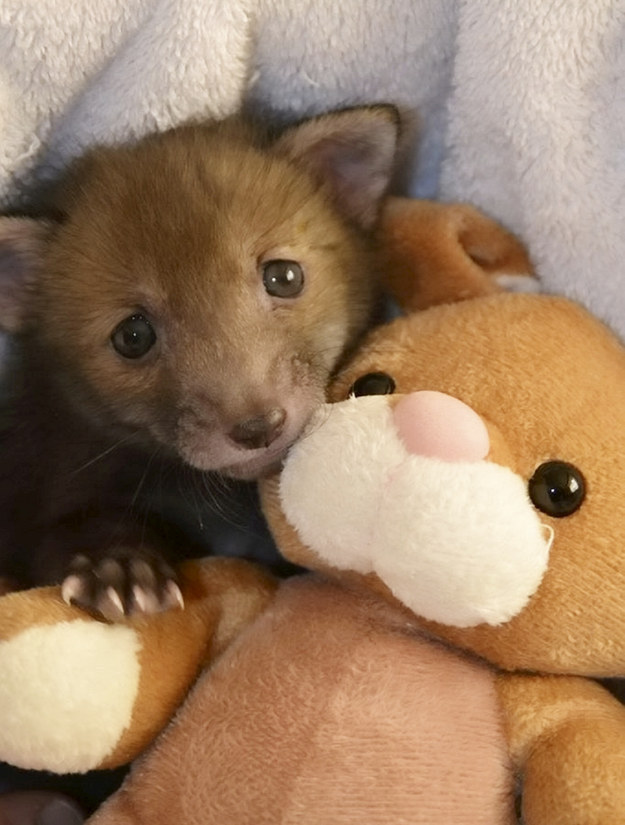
122,584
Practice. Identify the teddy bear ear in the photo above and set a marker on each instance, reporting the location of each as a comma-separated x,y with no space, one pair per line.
437,253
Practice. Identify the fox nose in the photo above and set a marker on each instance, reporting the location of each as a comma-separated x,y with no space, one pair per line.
260,431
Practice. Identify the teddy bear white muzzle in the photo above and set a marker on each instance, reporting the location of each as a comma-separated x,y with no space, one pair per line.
405,491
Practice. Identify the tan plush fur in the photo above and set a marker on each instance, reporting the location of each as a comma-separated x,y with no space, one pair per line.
432,252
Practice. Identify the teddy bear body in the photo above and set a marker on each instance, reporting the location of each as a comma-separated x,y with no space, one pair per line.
333,707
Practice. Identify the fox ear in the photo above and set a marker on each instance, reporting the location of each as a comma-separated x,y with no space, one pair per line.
22,243
438,253
353,151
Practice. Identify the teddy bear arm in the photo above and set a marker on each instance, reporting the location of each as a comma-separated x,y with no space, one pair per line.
567,741
222,597
240,590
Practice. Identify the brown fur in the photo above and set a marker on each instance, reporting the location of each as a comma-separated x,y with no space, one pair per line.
177,228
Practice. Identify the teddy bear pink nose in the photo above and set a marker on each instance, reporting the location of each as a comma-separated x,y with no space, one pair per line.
437,425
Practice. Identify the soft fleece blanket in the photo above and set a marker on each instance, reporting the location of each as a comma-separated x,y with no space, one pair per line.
520,103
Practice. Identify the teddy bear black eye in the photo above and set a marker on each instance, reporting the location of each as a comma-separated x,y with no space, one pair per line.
557,488
134,336
283,279
373,383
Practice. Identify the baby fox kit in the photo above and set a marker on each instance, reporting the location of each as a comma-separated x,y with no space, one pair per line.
184,308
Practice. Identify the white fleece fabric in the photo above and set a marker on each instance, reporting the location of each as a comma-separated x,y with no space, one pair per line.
521,103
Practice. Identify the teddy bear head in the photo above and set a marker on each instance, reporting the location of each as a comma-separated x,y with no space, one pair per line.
470,465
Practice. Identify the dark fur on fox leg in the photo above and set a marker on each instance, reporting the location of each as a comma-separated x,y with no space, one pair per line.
178,314
114,527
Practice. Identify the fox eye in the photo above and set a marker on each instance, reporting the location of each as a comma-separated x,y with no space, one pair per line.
557,488
283,279
373,383
134,336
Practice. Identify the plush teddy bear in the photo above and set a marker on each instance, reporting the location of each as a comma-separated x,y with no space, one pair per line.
460,504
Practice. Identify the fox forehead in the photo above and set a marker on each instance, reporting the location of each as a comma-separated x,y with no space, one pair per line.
185,181
163,270
131,227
